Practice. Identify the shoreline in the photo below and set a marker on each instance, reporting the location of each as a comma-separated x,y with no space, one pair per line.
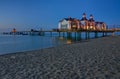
95,59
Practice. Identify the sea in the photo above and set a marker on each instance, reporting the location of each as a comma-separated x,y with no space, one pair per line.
21,43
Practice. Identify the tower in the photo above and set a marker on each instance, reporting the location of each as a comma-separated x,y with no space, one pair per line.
84,22
84,17
91,23
91,18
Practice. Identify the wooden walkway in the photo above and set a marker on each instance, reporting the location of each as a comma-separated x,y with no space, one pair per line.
67,32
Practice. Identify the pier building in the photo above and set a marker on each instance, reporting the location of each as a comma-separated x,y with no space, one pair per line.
14,30
100,26
69,23
83,24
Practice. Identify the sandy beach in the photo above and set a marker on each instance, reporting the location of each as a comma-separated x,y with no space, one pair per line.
94,59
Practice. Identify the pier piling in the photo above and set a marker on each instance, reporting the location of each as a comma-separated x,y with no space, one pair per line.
63,34
96,34
79,36
103,34
59,34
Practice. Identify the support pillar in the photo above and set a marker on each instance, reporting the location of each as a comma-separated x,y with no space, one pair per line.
79,36
63,34
103,34
96,34
85,35
75,36
88,35
59,34
68,34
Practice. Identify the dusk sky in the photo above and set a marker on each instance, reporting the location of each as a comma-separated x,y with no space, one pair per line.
36,14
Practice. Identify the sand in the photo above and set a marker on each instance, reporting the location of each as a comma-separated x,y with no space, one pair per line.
94,59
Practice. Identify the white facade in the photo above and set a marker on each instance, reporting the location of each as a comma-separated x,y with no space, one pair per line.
83,24
64,24
100,26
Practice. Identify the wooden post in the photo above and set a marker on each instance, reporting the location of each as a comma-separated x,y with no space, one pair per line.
79,36
96,34
59,34
103,34
68,34
86,36
75,36
63,34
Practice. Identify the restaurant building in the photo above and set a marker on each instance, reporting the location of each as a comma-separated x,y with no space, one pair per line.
69,23
83,24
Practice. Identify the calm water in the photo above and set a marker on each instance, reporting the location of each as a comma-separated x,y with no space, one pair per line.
19,43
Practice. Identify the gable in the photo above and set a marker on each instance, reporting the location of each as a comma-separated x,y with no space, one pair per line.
64,22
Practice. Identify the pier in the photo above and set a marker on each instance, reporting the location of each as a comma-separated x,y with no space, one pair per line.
62,33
